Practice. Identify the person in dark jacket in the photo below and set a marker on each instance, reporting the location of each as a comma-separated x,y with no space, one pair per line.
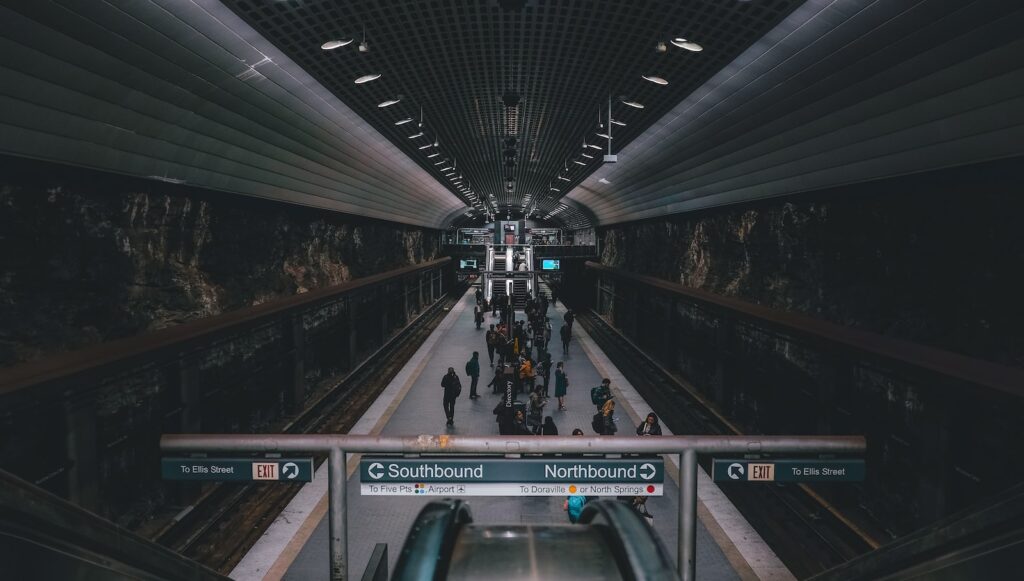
473,371
566,333
491,338
519,425
561,385
452,388
569,318
650,426
608,427
549,428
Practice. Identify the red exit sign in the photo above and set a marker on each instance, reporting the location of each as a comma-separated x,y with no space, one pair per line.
264,471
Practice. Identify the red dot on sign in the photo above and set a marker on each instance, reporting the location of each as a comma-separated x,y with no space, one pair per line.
650,489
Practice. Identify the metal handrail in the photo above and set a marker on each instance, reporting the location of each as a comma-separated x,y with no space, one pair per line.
337,446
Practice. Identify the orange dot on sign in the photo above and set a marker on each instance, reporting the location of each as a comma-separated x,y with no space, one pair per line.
572,488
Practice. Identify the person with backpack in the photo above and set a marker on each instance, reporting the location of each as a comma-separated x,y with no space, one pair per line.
573,505
473,371
452,389
561,385
602,393
498,382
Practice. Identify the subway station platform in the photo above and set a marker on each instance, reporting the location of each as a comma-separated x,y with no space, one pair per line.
296,544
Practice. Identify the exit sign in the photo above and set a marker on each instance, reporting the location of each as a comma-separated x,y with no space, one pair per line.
238,469
787,470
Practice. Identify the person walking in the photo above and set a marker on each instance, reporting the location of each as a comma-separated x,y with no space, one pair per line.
478,315
566,333
491,338
569,318
561,385
452,389
573,505
473,371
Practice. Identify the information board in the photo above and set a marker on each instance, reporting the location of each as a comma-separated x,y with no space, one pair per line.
238,469
512,476
744,470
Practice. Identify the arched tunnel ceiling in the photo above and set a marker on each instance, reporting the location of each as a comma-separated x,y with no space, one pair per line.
838,93
456,60
185,91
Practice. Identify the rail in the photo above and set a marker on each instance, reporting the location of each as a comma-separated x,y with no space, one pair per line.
337,447
905,353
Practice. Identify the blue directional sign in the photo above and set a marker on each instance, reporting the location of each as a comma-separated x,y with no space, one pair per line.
238,469
788,470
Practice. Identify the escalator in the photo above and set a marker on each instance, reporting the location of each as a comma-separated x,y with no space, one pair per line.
500,268
611,541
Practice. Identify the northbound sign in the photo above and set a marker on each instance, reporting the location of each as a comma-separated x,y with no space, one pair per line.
519,477
238,469
742,470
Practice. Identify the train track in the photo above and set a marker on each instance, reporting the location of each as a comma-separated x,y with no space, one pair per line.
229,518
807,533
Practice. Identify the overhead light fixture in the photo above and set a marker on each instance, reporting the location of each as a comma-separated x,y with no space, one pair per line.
420,134
333,44
564,179
426,146
554,189
435,154
604,181
617,122
447,168
633,104
389,103
653,79
587,155
443,161
578,161
364,46
592,146
605,135
403,121
687,44
367,78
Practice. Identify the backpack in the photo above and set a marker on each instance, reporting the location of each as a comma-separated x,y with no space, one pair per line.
575,507
597,422
598,395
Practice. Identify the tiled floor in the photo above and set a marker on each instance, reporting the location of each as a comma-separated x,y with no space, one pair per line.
387,519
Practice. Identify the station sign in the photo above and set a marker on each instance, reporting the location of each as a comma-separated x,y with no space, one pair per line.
511,476
238,469
803,470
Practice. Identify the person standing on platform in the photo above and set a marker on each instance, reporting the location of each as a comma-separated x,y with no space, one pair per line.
601,394
499,378
573,505
604,420
478,315
473,371
569,318
527,376
650,426
561,385
492,341
549,428
479,296
452,389
566,333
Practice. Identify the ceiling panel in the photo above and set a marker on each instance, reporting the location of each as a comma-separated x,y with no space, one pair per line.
564,60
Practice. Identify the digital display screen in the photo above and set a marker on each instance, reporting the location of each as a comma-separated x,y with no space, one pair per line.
467,263
550,264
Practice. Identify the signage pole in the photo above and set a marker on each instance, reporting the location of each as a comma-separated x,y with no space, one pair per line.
688,515
337,497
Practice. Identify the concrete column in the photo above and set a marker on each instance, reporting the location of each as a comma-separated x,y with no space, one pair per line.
81,445
297,334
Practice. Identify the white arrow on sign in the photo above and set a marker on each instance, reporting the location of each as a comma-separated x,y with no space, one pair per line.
290,470
735,471
375,470
647,475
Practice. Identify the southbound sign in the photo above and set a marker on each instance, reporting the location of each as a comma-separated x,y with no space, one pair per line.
742,470
515,477
238,469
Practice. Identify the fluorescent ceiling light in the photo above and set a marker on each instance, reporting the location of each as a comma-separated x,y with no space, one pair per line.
604,181
333,44
367,78
443,161
435,154
617,122
426,146
564,179
420,134
388,103
403,121
687,44
633,104
578,161
655,80
554,189
587,155
605,135
446,168
592,146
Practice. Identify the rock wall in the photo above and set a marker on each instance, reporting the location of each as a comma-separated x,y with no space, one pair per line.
87,257
934,258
